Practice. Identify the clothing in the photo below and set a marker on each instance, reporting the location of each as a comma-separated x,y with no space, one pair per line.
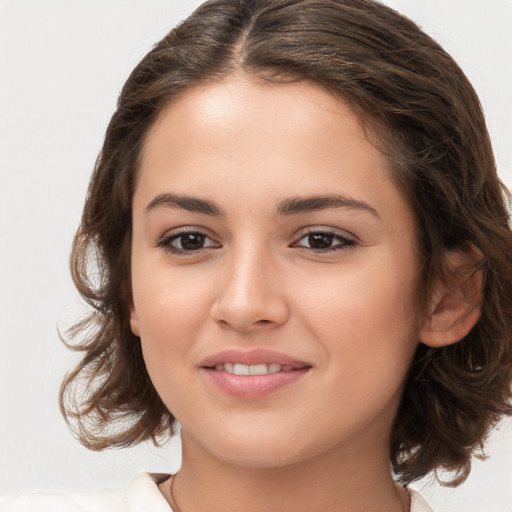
418,504
140,495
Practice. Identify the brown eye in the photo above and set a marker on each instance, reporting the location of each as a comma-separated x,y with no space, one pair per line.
320,240
324,241
189,241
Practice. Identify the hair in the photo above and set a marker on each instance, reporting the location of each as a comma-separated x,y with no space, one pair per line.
420,110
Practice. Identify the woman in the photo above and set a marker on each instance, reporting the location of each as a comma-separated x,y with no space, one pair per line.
304,259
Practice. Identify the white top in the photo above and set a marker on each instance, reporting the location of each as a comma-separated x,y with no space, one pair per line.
140,495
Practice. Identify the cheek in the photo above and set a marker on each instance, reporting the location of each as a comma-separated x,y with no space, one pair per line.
366,297
172,312
368,321
171,307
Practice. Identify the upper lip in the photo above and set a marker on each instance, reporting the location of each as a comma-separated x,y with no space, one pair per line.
251,357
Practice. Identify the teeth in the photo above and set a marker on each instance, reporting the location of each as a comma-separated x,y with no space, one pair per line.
258,369
253,369
274,368
241,369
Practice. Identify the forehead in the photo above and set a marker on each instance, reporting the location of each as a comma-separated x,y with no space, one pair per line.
238,102
224,113
261,139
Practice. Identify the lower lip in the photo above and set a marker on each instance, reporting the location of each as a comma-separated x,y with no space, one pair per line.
252,386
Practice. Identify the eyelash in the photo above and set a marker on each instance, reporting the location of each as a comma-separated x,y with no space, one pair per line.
343,243
166,242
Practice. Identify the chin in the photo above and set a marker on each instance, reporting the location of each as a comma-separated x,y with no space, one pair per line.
259,456
257,448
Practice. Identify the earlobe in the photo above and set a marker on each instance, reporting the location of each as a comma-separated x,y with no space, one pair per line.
456,304
134,321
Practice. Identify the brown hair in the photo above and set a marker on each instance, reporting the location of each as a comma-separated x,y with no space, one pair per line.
427,119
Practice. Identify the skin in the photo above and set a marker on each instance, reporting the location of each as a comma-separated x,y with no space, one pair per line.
351,312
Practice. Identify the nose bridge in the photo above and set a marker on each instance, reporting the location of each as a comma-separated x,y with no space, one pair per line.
249,293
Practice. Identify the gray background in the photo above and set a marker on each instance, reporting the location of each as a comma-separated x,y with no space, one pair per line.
62,64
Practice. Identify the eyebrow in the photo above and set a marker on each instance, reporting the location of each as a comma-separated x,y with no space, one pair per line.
295,205
289,206
189,203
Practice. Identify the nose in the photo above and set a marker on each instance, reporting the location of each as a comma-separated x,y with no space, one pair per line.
251,294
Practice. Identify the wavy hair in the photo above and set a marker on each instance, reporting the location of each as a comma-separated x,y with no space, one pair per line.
419,109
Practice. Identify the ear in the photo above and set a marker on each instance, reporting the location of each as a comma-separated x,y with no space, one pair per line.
134,321
455,305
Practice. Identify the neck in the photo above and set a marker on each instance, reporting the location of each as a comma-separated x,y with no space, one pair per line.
342,479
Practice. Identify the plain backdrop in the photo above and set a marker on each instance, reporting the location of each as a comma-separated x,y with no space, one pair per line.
62,64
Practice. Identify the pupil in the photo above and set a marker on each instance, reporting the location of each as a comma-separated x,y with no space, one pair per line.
192,241
320,240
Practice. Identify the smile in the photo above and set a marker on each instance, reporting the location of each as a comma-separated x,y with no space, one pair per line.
253,369
252,374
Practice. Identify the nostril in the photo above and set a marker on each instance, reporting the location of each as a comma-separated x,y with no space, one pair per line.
244,315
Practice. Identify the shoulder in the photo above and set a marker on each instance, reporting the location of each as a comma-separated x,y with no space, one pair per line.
140,495
418,503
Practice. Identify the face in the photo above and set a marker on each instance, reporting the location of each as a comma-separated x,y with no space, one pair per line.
275,274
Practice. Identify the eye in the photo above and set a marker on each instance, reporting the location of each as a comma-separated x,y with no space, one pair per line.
324,241
187,242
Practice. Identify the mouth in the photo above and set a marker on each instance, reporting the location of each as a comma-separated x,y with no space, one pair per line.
256,360
254,369
252,374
